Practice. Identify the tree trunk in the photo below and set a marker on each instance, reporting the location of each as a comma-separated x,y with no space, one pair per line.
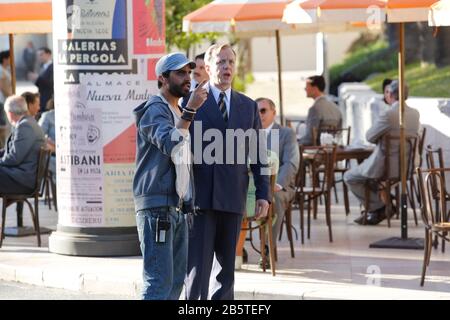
427,43
244,58
412,40
391,34
443,47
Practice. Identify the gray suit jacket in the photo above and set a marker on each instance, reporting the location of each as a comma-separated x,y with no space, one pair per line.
288,154
388,123
21,155
322,113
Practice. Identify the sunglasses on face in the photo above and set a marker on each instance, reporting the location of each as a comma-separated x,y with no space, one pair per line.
263,110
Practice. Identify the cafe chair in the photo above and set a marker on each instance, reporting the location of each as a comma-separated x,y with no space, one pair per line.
434,213
287,222
264,226
8,199
435,160
413,188
391,178
319,159
342,138
50,191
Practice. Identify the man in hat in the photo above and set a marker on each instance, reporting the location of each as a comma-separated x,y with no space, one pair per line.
160,189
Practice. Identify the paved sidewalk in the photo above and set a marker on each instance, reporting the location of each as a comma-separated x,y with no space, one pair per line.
344,269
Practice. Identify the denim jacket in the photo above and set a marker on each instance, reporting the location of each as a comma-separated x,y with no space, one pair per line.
157,136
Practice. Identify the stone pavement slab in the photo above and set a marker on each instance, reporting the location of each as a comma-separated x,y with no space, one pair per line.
344,269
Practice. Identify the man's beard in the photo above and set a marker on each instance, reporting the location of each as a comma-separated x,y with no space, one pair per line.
177,90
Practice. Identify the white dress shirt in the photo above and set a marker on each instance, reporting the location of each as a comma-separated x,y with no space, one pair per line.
216,92
182,158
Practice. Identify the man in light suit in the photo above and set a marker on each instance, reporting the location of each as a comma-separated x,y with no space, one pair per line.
288,155
18,162
323,113
221,185
373,167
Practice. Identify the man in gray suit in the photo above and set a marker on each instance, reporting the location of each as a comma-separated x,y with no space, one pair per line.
18,161
373,167
323,113
288,155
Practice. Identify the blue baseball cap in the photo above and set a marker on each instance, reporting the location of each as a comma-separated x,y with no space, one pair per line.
171,62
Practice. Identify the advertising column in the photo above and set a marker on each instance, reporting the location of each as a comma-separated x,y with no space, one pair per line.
105,54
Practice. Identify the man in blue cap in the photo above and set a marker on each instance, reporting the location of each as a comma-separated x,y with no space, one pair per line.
162,190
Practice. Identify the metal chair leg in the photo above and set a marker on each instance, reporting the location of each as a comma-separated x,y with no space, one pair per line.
328,215
366,202
2,232
268,225
302,219
38,229
262,237
288,217
411,199
425,257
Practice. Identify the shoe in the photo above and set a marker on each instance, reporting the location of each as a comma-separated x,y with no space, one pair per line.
375,217
360,220
260,262
244,256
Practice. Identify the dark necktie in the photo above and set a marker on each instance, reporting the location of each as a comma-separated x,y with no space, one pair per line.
223,107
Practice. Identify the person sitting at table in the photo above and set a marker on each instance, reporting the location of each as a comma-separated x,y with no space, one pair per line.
373,167
386,92
33,103
323,113
18,162
287,151
47,123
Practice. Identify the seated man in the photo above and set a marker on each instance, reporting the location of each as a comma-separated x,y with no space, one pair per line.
286,147
18,163
323,113
373,167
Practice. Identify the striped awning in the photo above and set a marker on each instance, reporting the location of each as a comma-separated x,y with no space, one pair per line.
25,16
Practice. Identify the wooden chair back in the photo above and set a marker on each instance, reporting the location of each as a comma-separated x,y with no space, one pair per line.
431,180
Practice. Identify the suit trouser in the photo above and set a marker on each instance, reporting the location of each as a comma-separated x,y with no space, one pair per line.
357,182
9,186
282,199
3,136
215,233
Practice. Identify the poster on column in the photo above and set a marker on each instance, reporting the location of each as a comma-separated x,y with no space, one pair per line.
105,55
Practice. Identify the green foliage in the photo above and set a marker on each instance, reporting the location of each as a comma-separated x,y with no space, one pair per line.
423,81
364,61
240,84
175,11
365,39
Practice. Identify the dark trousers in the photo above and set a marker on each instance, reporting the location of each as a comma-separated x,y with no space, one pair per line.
10,186
214,233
